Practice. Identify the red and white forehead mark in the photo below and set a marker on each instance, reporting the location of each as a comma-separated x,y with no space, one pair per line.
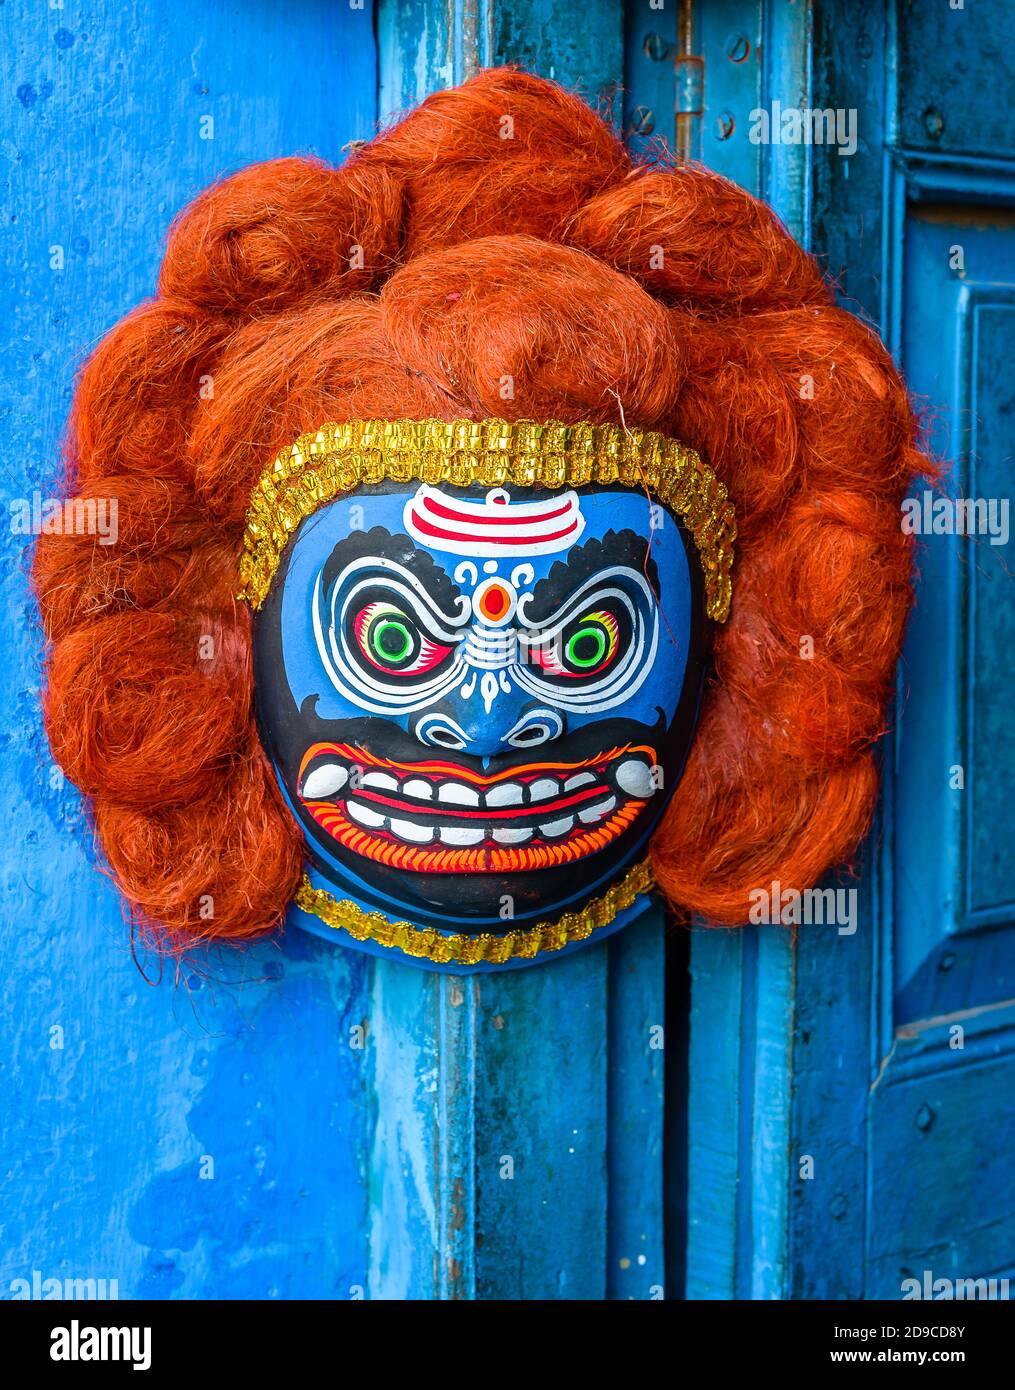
493,531
495,527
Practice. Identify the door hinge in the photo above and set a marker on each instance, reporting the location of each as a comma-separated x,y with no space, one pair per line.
689,69
690,74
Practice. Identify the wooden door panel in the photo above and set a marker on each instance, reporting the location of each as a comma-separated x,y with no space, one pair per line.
955,866
956,74
942,1132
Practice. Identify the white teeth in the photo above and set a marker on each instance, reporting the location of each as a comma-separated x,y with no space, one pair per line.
582,780
381,780
453,836
415,834
593,813
325,780
554,828
365,816
635,778
505,794
543,789
455,794
513,837
417,787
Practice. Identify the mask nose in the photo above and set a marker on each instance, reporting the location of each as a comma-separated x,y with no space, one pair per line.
439,730
480,735
535,726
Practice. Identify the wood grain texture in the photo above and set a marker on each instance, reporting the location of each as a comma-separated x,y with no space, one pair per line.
743,984
906,1053
541,1143
886,1132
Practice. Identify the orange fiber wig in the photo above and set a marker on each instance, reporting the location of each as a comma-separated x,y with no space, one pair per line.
407,284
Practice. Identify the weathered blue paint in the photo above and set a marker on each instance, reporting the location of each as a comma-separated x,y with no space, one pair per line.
372,1130
729,36
584,51
424,47
714,1113
650,52
840,1051
938,54
949,1076
383,1132
940,1116
538,1150
117,1094
638,1051
954,915
741,1041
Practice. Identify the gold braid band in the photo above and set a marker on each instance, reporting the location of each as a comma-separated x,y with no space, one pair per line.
458,948
487,453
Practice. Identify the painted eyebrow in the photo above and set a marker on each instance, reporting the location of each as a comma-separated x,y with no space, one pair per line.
399,582
624,550
381,544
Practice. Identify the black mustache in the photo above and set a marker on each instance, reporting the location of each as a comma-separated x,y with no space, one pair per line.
386,740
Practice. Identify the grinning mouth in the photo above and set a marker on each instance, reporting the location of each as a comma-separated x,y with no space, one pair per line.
436,816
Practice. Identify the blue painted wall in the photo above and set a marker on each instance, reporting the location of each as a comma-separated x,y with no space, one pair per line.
298,1120
119,1095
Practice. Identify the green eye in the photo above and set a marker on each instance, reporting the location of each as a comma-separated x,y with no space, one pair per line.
590,646
392,642
389,640
586,647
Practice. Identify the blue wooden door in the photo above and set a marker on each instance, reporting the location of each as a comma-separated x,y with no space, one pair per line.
851,1116
942,1122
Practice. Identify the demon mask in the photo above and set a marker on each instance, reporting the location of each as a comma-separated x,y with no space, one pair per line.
459,721
478,699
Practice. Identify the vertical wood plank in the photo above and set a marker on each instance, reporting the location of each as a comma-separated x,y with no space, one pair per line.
541,1130
403,1100
716,1069
638,1050
522,1057
740,1084
584,51
457,1010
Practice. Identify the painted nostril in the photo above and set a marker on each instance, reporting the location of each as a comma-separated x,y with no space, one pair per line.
445,738
535,727
441,731
533,734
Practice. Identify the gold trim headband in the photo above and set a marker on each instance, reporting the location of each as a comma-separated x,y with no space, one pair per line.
489,453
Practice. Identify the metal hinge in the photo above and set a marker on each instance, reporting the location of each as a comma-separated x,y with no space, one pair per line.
690,74
689,69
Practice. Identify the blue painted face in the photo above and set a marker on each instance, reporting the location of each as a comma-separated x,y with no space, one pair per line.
477,697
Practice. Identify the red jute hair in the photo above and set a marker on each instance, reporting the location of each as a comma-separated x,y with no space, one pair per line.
440,259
